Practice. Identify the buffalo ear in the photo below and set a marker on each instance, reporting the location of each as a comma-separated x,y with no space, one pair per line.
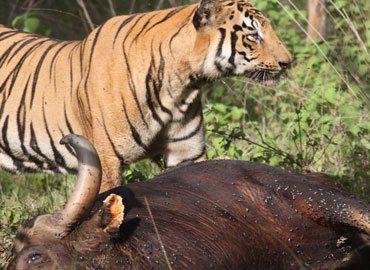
206,11
113,213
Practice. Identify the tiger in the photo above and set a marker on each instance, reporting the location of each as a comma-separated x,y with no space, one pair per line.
132,86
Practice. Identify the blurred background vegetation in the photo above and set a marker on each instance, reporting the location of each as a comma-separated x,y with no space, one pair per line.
317,119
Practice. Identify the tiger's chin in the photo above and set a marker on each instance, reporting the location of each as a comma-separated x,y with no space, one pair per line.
264,77
270,82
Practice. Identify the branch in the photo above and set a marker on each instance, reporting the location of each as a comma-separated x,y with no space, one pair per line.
112,8
133,2
265,145
159,5
86,13
172,3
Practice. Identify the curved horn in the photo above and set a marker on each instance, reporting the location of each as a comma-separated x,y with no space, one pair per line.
87,186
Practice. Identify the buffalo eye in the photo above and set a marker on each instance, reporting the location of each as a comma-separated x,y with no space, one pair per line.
34,258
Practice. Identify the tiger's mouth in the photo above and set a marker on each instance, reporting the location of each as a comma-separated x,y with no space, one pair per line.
264,76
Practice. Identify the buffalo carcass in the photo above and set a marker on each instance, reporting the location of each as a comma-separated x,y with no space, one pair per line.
210,215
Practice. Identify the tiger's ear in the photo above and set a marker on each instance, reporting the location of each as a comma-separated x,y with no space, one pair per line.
206,12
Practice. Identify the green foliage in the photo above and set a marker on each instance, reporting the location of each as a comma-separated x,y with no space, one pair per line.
24,197
316,119
30,22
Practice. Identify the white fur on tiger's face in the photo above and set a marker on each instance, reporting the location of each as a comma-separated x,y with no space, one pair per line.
131,86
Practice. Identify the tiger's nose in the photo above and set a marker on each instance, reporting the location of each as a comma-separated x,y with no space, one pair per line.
286,65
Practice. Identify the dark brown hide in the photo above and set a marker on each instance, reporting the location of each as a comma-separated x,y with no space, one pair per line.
220,215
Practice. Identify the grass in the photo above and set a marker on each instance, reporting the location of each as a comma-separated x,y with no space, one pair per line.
23,197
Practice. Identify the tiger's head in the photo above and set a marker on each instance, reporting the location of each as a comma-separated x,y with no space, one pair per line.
239,41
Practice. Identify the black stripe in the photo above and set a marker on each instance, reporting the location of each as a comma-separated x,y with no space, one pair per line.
11,34
7,52
4,132
196,111
35,147
6,148
157,85
246,58
191,134
222,40
2,106
15,71
169,15
70,130
58,158
71,67
28,41
149,100
192,159
134,132
83,116
240,8
118,155
21,127
55,56
82,49
234,39
176,34
90,60
219,48
70,150
143,28
129,76
129,19
37,71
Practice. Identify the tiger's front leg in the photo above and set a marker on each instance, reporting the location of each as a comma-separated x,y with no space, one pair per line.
185,134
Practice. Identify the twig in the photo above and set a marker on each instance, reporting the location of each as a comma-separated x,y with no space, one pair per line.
157,233
132,6
172,3
56,10
12,11
159,5
111,8
266,146
86,13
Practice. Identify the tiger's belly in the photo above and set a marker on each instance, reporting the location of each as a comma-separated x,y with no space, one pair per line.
36,153
32,145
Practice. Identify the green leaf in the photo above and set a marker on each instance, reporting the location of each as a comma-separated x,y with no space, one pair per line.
354,129
362,70
31,24
237,113
365,143
220,108
331,95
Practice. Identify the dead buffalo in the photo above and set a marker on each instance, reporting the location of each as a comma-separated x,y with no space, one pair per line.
210,215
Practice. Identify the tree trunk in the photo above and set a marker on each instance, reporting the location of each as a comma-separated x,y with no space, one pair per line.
317,19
